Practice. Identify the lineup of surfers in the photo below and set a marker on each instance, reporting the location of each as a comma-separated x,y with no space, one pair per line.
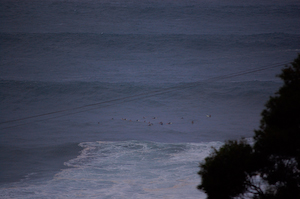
150,123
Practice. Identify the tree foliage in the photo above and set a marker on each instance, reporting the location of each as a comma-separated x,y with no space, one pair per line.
270,169
218,169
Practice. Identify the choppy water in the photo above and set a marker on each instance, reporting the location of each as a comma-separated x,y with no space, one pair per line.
82,80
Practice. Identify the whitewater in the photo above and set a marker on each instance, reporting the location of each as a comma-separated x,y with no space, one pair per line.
124,99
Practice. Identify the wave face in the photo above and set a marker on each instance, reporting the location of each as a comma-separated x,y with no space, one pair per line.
146,58
123,99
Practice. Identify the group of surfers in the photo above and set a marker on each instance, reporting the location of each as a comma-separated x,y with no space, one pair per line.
161,123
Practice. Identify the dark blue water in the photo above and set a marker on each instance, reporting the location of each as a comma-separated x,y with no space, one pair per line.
123,99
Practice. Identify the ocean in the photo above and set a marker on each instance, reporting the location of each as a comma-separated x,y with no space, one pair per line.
124,99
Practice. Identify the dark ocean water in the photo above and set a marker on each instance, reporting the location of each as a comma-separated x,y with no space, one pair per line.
87,89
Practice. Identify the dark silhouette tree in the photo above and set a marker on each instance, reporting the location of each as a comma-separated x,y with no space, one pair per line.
227,172
277,142
270,169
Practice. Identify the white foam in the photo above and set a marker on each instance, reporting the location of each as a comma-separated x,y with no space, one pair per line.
128,169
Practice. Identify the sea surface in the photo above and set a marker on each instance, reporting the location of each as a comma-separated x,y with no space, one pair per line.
124,99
